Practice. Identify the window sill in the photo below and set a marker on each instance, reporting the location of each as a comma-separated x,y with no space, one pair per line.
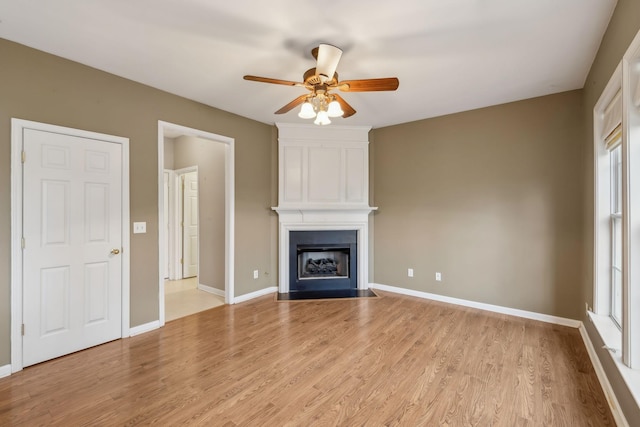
612,338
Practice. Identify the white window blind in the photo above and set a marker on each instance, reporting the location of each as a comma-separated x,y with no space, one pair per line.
614,139
612,116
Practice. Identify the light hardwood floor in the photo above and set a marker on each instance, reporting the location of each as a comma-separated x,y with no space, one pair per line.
393,360
183,298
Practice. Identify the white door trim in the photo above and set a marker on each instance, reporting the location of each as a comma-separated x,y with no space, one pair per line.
229,213
17,131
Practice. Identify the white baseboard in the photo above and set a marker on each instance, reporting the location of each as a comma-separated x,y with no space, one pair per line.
141,329
211,290
256,294
618,416
5,371
480,305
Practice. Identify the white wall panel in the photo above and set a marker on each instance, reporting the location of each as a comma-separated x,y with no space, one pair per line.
291,177
356,173
323,166
324,174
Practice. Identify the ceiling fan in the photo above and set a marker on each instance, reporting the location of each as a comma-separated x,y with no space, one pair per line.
322,103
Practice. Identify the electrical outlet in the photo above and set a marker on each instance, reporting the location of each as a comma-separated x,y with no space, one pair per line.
139,227
256,274
438,276
410,272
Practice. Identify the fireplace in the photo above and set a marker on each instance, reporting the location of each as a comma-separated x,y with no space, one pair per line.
323,208
322,260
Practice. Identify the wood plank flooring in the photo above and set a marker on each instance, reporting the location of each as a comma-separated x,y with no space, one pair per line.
393,360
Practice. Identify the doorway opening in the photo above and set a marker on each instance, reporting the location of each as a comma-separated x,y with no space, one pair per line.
195,208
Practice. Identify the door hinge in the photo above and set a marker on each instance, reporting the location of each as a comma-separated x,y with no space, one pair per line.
24,156
23,329
181,261
24,244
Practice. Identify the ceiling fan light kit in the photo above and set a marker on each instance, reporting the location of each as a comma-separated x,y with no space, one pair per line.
307,111
320,103
316,106
322,118
334,109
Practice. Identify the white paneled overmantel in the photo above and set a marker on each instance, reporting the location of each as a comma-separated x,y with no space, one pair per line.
323,184
323,166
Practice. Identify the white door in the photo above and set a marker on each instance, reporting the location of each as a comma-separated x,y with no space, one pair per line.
72,226
167,252
190,224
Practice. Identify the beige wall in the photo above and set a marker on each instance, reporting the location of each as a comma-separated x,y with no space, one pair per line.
208,156
491,198
624,25
169,144
45,88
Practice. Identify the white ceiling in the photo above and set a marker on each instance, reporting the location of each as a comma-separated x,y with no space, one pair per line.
450,55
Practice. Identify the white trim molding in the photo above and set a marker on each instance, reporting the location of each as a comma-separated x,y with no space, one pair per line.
5,371
211,290
631,206
609,394
145,327
256,294
480,305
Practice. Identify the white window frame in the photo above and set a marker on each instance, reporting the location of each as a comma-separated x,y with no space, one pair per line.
602,204
624,342
615,214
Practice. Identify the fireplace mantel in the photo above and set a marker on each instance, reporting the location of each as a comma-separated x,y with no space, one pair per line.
323,184
346,214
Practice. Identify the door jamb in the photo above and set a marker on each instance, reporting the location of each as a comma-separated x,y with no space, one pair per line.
229,210
17,135
171,224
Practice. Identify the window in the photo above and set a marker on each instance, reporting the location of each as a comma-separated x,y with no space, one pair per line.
615,156
617,217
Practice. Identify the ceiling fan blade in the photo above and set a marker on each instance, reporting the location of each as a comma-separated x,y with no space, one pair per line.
348,109
328,58
274,81
299,100
369,85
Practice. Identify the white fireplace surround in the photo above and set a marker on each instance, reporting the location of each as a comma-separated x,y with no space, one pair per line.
323,184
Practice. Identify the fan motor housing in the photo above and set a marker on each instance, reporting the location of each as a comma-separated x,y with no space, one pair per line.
311,78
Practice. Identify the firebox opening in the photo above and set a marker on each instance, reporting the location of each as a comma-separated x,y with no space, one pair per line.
321,260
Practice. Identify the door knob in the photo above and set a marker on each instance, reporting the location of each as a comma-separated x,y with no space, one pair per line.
115,251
